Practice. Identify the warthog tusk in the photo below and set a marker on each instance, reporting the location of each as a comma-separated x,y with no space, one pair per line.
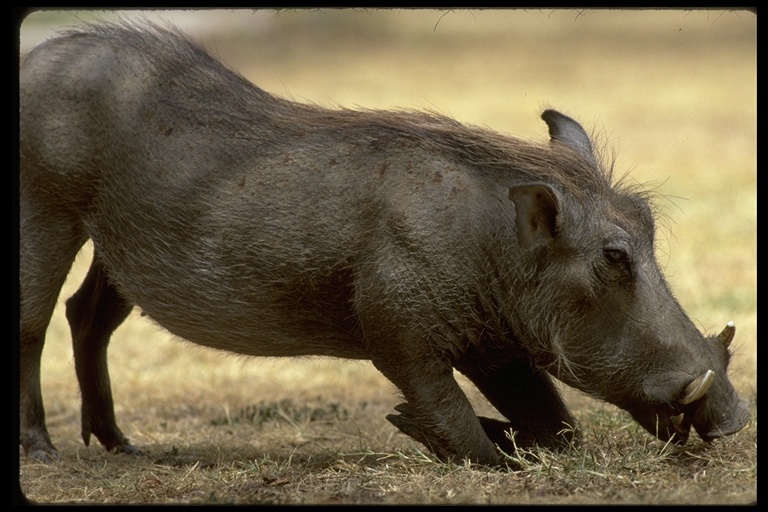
677,421
726,336
698,388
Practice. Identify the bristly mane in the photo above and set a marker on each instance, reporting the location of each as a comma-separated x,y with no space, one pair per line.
469,145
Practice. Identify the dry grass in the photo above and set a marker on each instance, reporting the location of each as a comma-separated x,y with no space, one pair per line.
674,93
345,454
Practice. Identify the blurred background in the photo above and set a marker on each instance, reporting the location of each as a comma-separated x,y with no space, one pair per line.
670,94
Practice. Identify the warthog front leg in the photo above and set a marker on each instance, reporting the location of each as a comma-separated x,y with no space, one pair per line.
438,413
527,397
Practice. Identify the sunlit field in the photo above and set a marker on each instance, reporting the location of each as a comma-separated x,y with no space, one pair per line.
670,96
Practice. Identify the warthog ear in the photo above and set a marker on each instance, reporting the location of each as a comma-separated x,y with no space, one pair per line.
536,209
564,129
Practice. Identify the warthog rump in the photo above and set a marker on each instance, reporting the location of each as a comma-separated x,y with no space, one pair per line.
245,222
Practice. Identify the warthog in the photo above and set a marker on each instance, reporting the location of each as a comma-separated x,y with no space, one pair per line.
245,222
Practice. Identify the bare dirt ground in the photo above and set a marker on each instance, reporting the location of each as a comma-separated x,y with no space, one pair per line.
672,93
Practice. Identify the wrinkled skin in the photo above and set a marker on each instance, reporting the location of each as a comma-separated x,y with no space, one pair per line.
248,223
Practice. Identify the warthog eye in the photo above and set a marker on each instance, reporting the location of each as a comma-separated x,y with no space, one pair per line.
616,255
618,260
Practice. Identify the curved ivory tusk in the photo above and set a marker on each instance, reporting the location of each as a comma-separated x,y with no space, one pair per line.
677,420
726,336
698,388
